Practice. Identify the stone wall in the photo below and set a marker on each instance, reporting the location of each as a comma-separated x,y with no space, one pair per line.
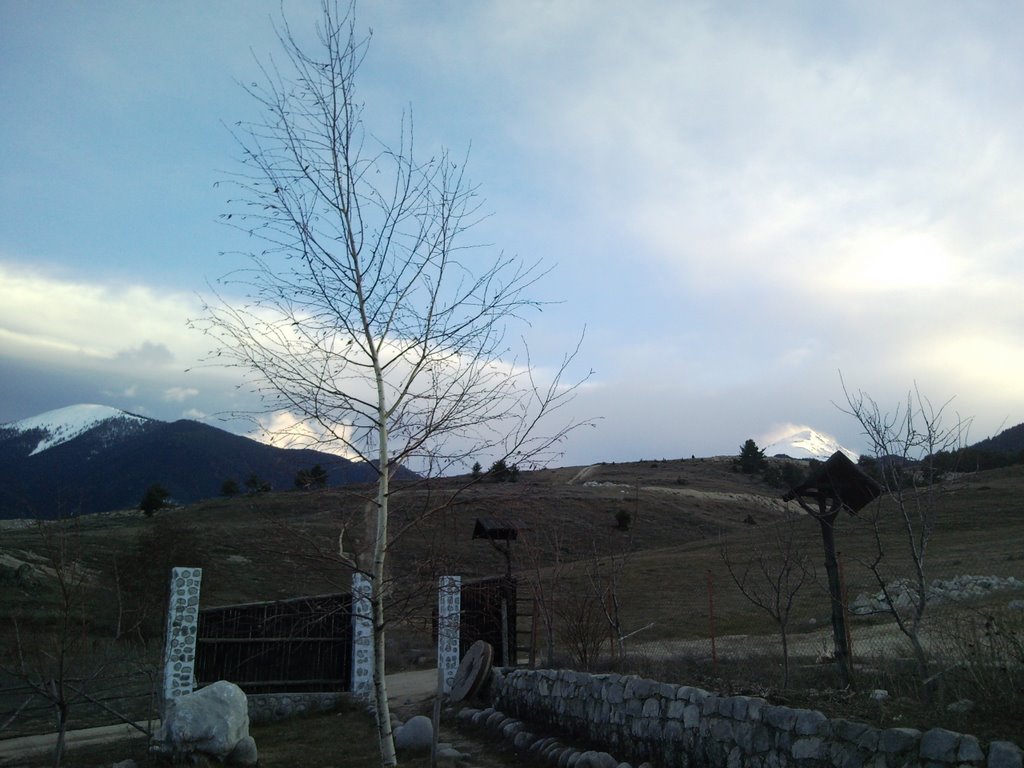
271,707
637,719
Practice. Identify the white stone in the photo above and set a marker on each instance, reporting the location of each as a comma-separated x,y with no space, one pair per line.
209,722
416,735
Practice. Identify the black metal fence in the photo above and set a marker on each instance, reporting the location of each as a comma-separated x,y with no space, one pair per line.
488,607
303,644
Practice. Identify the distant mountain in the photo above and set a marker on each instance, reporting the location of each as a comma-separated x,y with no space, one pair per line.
91,458
806,443
1010,440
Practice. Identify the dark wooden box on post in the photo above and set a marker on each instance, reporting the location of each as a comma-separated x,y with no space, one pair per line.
836,484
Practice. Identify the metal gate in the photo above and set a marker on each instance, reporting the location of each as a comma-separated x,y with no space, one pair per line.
488,606
287,646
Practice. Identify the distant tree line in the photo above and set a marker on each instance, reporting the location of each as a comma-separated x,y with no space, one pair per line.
305,479
941,464
500,472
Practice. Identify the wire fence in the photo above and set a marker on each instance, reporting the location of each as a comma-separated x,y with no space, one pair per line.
122,692
700,626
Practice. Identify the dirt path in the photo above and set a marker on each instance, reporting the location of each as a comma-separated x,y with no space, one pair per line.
583,474
408,692
771,502
14,751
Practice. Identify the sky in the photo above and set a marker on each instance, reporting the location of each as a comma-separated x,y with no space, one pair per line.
743,205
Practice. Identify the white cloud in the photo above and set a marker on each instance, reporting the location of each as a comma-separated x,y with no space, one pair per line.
45,316
288,430
180,394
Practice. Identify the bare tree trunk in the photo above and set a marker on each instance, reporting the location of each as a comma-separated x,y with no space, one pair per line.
380,689
61,704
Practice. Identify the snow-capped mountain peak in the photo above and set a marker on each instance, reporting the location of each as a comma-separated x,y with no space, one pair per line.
803,442
64,424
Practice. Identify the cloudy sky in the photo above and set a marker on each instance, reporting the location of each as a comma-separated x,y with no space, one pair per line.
738,200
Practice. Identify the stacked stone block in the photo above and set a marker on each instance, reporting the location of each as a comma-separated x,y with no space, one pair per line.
640,720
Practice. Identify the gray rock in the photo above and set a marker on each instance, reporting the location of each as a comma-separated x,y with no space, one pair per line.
245,752
808,721
970,750
523,740
1004,754
593,759
450,753
129,763
808,749
895,740
416,735
940,745
960,706
208,722
782,718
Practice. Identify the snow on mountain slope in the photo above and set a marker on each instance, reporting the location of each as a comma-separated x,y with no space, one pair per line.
63,424
802,442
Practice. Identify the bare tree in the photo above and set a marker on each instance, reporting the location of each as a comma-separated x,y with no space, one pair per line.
605,577
582,628
772,578
544,553
366,318
906,443
50,660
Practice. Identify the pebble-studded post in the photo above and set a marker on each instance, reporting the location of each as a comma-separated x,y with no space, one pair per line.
449,606
362,637
182,625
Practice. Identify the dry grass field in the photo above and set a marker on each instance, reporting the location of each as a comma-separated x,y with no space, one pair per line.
666,571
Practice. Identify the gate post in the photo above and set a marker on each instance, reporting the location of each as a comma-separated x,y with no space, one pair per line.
449,606
182,626
362,637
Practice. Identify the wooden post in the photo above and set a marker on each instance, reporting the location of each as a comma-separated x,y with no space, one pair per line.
846,608
827,518
711,621
533,634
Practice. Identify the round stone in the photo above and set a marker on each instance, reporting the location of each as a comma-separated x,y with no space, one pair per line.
473,672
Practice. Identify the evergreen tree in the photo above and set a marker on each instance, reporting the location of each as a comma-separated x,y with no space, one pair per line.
751,459
318,475
499,471
153,499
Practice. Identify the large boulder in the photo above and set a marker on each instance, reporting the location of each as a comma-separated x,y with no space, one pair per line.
417,735
212,722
